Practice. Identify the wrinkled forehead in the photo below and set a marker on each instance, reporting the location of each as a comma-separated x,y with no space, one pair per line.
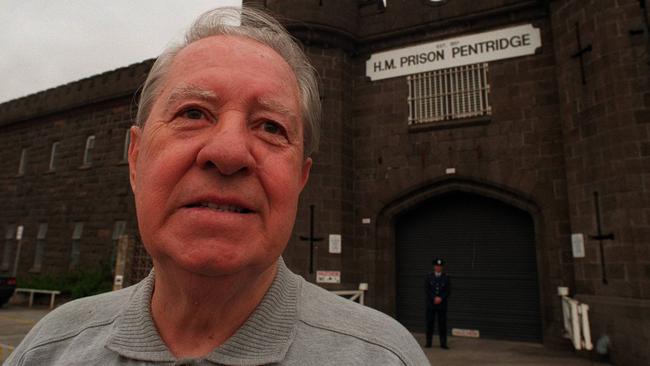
228,50
216,58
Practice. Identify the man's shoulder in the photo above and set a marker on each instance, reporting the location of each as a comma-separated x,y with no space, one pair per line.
84,320
73,317
324,311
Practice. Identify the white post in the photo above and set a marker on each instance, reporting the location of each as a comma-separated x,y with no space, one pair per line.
575,325
19,239
584,317
363,287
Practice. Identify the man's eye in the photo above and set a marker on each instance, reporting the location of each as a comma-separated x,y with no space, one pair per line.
193,113
272,127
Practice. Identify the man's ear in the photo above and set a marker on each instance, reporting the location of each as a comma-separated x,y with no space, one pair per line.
134,149
306,168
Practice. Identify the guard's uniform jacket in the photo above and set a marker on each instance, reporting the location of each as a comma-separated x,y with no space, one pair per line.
437,286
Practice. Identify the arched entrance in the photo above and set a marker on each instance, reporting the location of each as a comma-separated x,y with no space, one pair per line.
489,247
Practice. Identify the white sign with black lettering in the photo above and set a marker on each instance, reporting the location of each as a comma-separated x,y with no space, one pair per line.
335,243
578,245
328,276
483,47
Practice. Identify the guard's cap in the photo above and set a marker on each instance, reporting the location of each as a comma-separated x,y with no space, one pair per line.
438,262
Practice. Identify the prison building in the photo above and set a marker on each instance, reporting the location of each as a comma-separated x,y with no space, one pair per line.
510,138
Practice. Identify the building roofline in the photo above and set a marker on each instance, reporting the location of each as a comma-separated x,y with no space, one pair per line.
108,85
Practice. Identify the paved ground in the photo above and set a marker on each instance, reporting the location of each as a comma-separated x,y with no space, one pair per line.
16,321
486,352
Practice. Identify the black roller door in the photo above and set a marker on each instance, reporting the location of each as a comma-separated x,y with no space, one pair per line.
490,252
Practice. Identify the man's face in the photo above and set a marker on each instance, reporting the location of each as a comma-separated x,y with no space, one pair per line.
437,268
218,167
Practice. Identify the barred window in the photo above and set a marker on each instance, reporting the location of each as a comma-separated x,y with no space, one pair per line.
449,94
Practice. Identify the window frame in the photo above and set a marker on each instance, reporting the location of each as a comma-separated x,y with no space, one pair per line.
53,154
39,250
90,146
127,142
75,250
9,242
22,165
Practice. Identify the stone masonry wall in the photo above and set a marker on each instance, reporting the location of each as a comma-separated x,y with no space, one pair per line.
518,150
96,194
606,128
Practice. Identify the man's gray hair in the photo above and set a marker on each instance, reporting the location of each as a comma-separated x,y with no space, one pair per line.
256,25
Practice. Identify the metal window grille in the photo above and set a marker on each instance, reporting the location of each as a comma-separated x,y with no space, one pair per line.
454,93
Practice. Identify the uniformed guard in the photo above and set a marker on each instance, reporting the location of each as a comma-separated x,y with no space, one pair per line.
437,288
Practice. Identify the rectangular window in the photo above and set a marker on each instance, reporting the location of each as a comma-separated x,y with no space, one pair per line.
449,94
76,245
127,142
40,247
88,152
6,251
55,146
118,231
23,161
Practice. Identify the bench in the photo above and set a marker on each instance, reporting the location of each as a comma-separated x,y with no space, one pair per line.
33,291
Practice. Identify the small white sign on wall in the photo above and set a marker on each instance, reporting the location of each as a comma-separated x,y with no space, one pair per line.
328,276
335,243
19,232
578,245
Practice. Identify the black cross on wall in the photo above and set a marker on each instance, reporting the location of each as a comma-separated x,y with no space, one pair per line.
311,238
600,237
581,51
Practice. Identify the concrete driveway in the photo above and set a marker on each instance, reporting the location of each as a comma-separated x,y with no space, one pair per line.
487,352
16,321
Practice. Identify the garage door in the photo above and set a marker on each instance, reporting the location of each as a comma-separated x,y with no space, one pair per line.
489,248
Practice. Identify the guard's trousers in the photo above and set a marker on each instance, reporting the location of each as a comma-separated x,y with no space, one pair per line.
439,312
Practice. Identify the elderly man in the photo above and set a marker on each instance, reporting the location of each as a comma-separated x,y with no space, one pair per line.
226,124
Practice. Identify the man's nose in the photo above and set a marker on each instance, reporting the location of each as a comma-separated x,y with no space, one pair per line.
227,147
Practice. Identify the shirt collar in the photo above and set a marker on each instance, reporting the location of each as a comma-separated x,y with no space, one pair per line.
264,338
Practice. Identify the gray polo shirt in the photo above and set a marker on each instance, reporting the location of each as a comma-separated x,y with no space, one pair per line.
296,323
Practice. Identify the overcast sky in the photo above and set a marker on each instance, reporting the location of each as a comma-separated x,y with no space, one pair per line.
46,43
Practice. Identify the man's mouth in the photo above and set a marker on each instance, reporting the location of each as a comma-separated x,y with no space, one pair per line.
220,208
